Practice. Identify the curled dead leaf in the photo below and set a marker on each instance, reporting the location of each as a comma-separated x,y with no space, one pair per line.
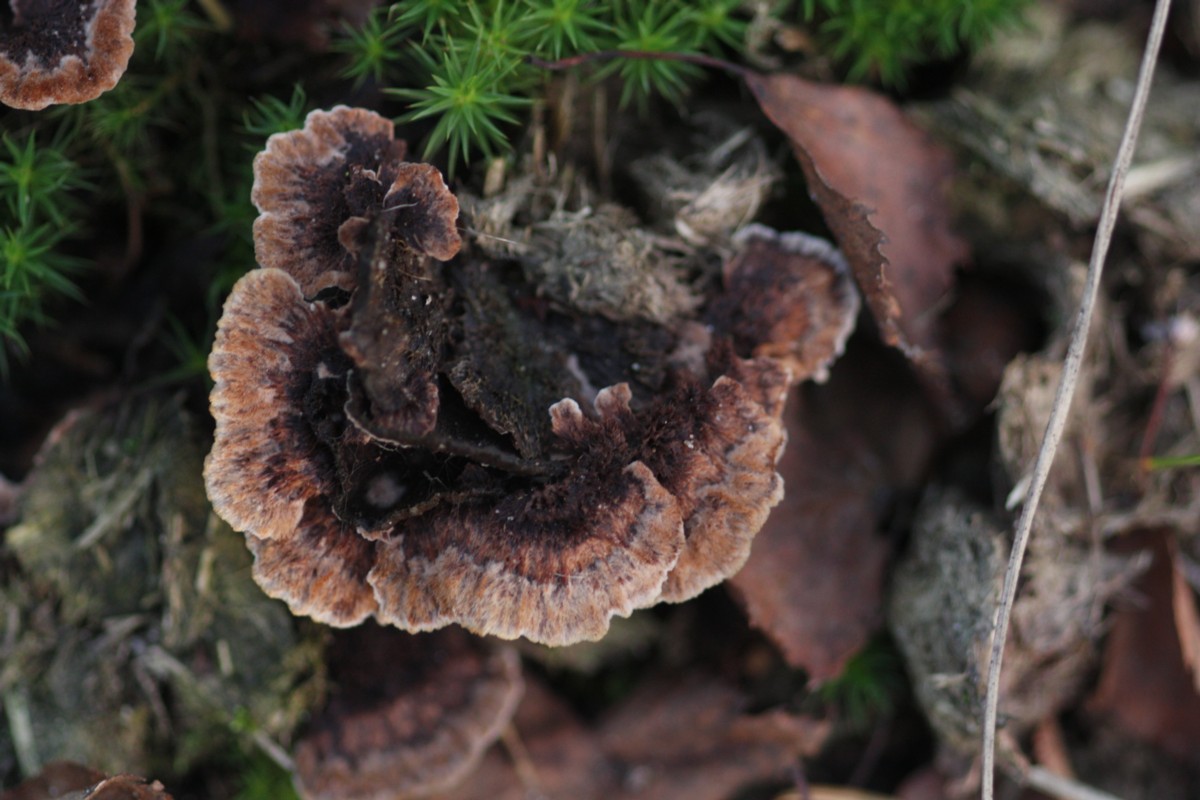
880,182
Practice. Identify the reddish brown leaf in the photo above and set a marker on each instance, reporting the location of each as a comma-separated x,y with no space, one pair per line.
693,742
814,581
689,741
1144,683
925,784
880,182
1187,619
549,753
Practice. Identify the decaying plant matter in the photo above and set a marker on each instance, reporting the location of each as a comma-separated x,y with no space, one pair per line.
410,429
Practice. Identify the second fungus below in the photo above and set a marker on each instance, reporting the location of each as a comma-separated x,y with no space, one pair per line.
410,428
409,715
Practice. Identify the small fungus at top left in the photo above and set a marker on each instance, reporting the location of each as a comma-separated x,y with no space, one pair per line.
60,51
412,429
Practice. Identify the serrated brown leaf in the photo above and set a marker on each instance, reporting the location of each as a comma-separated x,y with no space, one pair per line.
880,182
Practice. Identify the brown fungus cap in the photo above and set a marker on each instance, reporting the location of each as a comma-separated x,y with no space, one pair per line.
724,476
55,51
438,449
267,473
789,296
410,715
315,187
273,362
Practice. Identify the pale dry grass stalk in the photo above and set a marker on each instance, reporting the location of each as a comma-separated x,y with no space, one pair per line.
1066,387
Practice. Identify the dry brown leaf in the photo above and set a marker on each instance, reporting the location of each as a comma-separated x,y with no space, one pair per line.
689,741
880,182
549,754
693,741
814,580
1187,619
1144,684
927,783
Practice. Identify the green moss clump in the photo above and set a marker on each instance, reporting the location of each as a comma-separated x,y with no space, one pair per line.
38,190
884,39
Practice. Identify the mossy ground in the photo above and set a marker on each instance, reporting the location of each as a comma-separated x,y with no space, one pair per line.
125,599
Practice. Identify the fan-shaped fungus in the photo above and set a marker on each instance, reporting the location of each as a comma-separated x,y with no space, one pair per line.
435,443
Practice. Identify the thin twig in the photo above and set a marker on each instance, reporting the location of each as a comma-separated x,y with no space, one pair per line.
273,750
1066,386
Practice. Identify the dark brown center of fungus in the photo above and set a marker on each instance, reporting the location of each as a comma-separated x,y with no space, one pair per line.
493,454
45,30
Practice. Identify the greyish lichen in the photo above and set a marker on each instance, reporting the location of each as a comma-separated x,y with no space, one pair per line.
137,635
